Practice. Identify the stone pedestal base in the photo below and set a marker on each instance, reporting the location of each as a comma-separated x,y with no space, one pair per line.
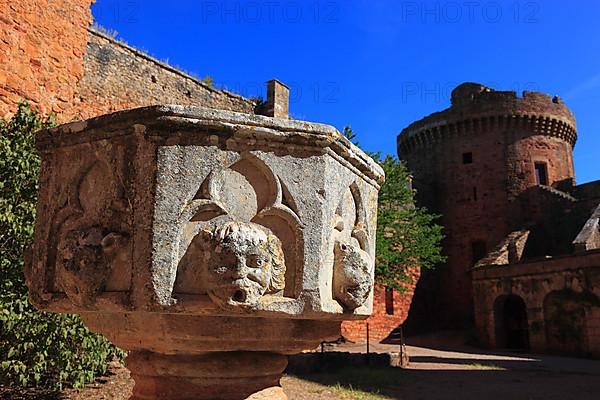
218,375
191,357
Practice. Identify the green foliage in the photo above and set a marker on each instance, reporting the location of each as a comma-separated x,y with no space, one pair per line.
208,80
259,103
37,348
407,236
349,134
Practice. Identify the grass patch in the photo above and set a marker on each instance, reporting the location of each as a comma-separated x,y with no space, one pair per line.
357,382
486,367
350,392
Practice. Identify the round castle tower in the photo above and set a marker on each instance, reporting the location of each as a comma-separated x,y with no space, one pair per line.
470,163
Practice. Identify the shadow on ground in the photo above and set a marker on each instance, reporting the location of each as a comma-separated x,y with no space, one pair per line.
473,378
28,394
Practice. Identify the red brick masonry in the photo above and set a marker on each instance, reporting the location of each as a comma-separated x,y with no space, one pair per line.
386,317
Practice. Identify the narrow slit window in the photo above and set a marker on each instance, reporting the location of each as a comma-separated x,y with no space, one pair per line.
478,251
389,301
541,173
467,158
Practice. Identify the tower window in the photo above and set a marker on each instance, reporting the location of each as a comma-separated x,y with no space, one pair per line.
541,173
478,251
467,158
389,301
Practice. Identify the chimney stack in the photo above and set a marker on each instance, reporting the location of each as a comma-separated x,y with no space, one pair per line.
278,100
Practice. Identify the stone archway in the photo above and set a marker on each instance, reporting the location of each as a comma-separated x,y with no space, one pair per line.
512,327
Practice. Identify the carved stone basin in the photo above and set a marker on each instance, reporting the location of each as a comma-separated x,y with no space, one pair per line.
209,244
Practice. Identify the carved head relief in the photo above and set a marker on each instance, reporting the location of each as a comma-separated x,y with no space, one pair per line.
351,274
352,280
85,259
245,262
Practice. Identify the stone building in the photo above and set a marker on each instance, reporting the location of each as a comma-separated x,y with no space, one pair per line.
50,55
522,238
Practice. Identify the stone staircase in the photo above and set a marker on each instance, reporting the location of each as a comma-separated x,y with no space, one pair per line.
557,192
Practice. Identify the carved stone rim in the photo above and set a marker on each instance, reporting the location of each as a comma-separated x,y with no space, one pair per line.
280,130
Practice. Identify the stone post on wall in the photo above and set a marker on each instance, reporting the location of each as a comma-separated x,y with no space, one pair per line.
209,244
277,104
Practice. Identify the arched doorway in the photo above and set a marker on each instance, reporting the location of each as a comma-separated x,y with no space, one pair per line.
512,328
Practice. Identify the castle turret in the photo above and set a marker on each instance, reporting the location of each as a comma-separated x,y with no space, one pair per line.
471,162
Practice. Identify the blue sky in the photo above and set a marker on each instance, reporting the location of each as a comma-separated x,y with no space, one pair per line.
379,65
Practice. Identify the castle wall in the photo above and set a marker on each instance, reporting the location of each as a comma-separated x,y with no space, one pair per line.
471,162
42,45
562,298
471,199
117,77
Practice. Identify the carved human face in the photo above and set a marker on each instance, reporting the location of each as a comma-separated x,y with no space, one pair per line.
245,262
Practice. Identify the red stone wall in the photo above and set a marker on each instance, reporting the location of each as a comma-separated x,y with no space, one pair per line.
593,331
525,150
42,44
381,323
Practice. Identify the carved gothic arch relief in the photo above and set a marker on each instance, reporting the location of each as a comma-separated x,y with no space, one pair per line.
352,264
91,234
242,216
350,217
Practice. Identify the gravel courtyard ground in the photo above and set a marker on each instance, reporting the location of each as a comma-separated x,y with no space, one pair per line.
467,373
472,374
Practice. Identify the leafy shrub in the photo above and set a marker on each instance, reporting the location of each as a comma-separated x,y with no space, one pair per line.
408,236
37,348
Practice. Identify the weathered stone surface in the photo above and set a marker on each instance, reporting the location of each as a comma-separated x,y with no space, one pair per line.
210,244
84,263
278,100
236,264
589,236
188,178
352,281
218,375
117,76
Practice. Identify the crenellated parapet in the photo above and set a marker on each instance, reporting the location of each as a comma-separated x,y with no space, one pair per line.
477,108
